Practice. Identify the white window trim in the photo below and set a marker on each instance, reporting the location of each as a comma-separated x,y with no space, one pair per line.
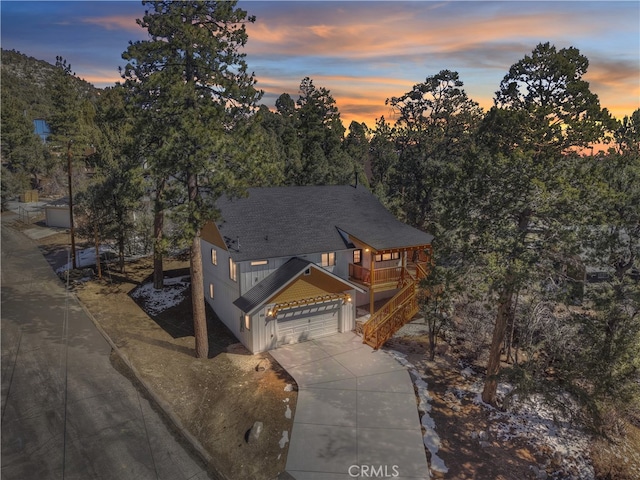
328,259
214,257
233,270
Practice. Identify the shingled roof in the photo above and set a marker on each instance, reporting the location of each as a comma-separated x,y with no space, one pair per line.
270,285
289,221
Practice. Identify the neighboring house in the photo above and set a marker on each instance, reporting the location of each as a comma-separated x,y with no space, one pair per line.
288,264
42,129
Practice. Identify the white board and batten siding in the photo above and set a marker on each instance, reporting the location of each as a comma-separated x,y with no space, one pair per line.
250,275
263,332
225,291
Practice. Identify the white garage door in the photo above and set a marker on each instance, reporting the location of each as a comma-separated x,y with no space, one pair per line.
305,323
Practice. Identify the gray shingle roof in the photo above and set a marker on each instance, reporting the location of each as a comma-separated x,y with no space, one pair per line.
289,221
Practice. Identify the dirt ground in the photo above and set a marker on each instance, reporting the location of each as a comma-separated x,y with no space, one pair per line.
468,455
218,399
462,451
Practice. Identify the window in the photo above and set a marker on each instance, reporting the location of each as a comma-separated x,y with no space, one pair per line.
382,257
214,256
259,262
233,271
247,323
211,291
357,256
328,259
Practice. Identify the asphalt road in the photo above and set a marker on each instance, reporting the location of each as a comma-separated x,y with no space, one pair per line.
67,413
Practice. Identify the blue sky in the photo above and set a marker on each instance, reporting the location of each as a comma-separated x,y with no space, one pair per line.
362,51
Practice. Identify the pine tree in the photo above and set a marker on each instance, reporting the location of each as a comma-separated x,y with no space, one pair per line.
191,77
519,194
321,133
610,240
117,185
435,127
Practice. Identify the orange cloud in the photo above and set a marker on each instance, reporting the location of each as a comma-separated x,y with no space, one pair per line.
399,33
414,40
114,22
617,85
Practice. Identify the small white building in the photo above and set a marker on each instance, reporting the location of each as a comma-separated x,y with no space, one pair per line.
56,213
288,264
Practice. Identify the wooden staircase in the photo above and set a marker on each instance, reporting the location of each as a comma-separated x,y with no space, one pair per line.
398,311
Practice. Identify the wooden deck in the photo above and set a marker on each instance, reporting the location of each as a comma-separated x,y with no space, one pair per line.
384,279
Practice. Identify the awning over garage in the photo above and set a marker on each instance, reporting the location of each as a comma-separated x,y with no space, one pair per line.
297,283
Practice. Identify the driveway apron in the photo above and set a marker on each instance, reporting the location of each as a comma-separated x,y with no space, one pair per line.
356,415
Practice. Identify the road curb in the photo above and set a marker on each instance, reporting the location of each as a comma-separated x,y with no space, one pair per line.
166,408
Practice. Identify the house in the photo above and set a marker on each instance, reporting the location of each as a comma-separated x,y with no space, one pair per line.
288,264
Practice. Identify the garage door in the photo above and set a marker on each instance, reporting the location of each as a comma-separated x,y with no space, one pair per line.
305,323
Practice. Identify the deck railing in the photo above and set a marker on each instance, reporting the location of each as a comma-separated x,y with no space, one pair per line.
380,275
422,270
394,314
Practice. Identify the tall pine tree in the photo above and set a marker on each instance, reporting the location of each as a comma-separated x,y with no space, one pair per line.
191,76
519,195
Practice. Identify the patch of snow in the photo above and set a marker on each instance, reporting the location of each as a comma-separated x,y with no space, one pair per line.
86,257
401,358
430,438
548,430
284,440
288,387
157,301
287,413
467,372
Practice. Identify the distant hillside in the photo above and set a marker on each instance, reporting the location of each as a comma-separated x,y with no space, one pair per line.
25,79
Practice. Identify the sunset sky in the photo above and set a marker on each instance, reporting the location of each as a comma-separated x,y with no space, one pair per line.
363,52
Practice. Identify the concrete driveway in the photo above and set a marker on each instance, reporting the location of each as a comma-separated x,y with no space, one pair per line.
356,415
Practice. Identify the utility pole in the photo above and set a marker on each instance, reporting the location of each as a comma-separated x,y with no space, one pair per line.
73,239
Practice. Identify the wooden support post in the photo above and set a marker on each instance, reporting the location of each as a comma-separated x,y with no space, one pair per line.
371,283
405,273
